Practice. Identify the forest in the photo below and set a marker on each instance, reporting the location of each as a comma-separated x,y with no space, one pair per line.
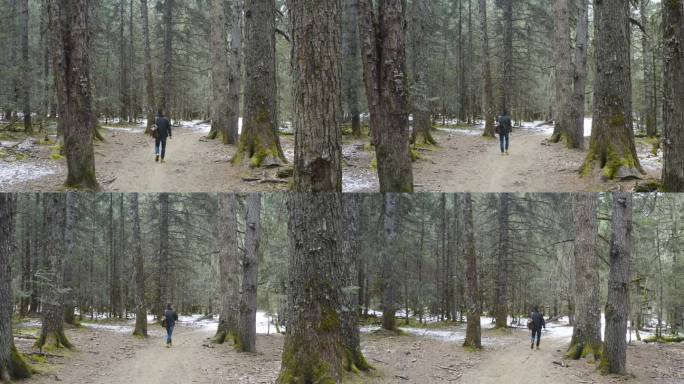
341,288
389,96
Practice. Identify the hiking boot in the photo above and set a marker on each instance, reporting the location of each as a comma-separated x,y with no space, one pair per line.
532,346
162,160
156,158
537,347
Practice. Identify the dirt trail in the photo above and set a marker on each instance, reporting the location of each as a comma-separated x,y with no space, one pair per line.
516,363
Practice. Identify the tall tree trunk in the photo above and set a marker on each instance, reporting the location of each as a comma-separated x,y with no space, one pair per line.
219,67
614,359
235,24
381,32
488,88
473,332
259,143
54,217
149,80
163,271
576,129
132,92
563,71
647,57
389,238
69,283
123,66
314,348
503,265
250,268
420,29
673,104
228,266
612,147
167,62
12,365
25,67
508,69
350,69
350,309
586,335
139,260
69,26
316,69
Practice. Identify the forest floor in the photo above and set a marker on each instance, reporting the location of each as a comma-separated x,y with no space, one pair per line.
107,355
463,161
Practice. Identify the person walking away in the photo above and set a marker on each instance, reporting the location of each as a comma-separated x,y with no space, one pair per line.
505,129
538,323
163,132
170,317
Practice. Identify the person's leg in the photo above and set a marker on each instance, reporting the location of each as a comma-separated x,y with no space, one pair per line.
168,335
538,337
532,344
163,148
508,139
171,334
501,142
157,142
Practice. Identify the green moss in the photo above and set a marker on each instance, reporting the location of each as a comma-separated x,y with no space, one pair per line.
21,370
415,155
57,151
664,339
471,348
296,371
330,321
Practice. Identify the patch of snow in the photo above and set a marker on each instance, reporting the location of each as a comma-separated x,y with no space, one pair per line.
128,130
11,173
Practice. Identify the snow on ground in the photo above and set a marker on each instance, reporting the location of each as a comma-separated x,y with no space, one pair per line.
24,171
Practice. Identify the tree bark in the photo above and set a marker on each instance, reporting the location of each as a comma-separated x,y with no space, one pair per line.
316,70
576,129
250,268
586,335
12,366
488,88
69,24
673,102
163,270
149,79
473,331
219,67
563,71
314,349
228,266
508,69
501,289
124,101
54,218
259,143
389,238
420,37
139,260
350,69
167,64
25,66
614,357
648,61
235,24
381,32
612,147
350,291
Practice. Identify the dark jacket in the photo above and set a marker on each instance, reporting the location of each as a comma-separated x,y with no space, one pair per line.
538,321
163,127
171,317
505,124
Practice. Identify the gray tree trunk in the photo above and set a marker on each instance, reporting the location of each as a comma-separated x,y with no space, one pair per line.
503,264
508,68
473,332
563,71
54,219
25,66
612,147
316,71
586,335
648,60
614,359
488,88
149,79
250,269
673,102
219,67
576,129
382,37
12,366
235,23
228,266
259,143
389,238
420,29
167,62
314,349
139,260
163,270
69,24
350,69
124,97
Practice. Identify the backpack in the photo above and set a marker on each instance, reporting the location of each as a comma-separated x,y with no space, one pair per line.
154,131
530,323
164,323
